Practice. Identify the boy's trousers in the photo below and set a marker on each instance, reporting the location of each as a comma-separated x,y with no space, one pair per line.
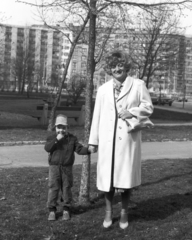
60,179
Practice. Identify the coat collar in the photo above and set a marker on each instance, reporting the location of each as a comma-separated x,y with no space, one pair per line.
126,87
127,84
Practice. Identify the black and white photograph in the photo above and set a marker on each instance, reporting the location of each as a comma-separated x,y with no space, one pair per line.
95,120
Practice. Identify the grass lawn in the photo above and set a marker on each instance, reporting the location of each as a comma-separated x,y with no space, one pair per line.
19,127
156,134
16,123
163,206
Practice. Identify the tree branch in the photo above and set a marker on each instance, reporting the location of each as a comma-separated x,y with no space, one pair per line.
162,3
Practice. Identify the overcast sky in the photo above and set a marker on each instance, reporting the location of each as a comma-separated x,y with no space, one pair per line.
22,14
18,13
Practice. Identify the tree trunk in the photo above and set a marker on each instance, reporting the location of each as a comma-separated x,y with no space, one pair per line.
58,94
23,78
84,197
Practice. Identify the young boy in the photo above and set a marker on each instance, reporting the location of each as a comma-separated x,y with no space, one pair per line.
61,147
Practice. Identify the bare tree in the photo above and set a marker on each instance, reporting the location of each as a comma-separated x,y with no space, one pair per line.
25,69
93,9
155,42
76,87
66,11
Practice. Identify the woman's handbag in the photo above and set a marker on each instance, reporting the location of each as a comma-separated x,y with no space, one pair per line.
137,124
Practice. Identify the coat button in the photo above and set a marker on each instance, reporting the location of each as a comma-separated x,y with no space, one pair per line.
120,127
120,106
120,138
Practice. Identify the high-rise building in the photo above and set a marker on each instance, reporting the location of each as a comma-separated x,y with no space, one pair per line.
187,86
32,56
35,57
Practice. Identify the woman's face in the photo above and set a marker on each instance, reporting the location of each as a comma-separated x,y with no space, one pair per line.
119,72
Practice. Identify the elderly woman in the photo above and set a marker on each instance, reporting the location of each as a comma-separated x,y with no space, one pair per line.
122,108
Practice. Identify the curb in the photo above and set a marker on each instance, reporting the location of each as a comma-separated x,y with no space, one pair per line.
20,143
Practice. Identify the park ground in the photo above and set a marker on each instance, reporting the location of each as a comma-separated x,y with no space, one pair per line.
161,208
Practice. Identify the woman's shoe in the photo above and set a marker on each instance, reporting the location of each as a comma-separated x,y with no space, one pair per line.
52,216
107,223
123,223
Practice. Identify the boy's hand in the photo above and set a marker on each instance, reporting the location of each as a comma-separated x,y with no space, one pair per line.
92,149
59,136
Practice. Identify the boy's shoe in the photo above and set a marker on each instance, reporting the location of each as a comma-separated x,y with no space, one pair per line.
51,216
66,215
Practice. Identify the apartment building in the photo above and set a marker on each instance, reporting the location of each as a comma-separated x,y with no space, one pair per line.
79,59
187,86
174,57
34,56
42,52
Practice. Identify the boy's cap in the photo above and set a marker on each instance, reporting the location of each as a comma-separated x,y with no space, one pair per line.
61,120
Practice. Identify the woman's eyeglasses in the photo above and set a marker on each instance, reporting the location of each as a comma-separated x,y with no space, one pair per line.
119,65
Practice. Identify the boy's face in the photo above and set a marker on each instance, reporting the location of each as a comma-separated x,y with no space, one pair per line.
61,129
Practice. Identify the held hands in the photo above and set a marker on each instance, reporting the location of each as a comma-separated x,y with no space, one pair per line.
123,114
92,149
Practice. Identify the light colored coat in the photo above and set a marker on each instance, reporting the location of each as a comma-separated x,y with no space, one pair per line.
134,97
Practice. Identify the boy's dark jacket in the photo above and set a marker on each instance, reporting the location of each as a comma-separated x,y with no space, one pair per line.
62,152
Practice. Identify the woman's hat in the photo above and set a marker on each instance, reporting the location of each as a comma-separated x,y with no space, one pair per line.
61,120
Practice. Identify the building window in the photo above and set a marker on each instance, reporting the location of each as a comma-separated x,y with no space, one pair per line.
20,32
83,64
84,50
188,75
66,41
8,29
83,72
74,64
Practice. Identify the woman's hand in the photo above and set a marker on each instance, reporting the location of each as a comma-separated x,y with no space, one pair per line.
124,114
92,148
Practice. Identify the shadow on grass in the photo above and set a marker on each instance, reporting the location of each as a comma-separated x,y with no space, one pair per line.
167,178
161,208
151,209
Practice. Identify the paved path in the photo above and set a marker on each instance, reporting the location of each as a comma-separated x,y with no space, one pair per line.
175,108
35,156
